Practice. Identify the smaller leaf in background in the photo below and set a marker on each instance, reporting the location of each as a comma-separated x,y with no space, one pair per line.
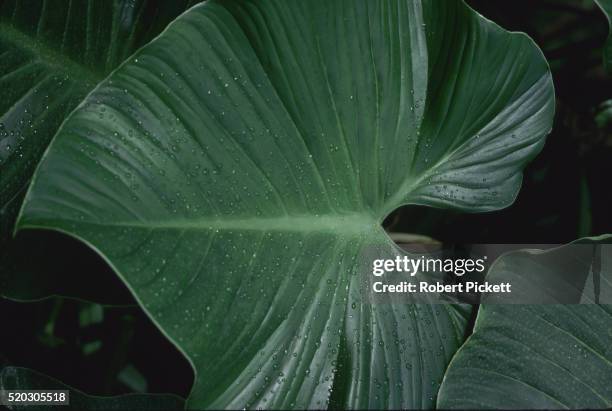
90,358
91,314
606,7
133,378
539,356
52,56
603,117
48,336
91,347
15,378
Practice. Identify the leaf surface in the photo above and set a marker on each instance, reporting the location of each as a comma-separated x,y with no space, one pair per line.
235,169
550,356
52,54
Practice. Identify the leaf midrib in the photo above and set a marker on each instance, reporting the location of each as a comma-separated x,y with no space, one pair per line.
48,55
349,224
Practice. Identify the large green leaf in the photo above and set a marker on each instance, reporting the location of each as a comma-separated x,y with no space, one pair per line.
549,356
51,55
233,171
606,7
17,378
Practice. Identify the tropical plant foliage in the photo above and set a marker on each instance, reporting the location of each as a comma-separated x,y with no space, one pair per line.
551,356
52,56
232,170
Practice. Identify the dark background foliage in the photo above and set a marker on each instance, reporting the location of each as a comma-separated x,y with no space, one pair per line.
114,349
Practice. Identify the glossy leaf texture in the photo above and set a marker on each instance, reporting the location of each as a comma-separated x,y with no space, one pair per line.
234,170
551,356
17,378
606,8
52,55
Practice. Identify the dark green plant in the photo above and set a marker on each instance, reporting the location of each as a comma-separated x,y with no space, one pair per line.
232,180
232,171
53,54
550,356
